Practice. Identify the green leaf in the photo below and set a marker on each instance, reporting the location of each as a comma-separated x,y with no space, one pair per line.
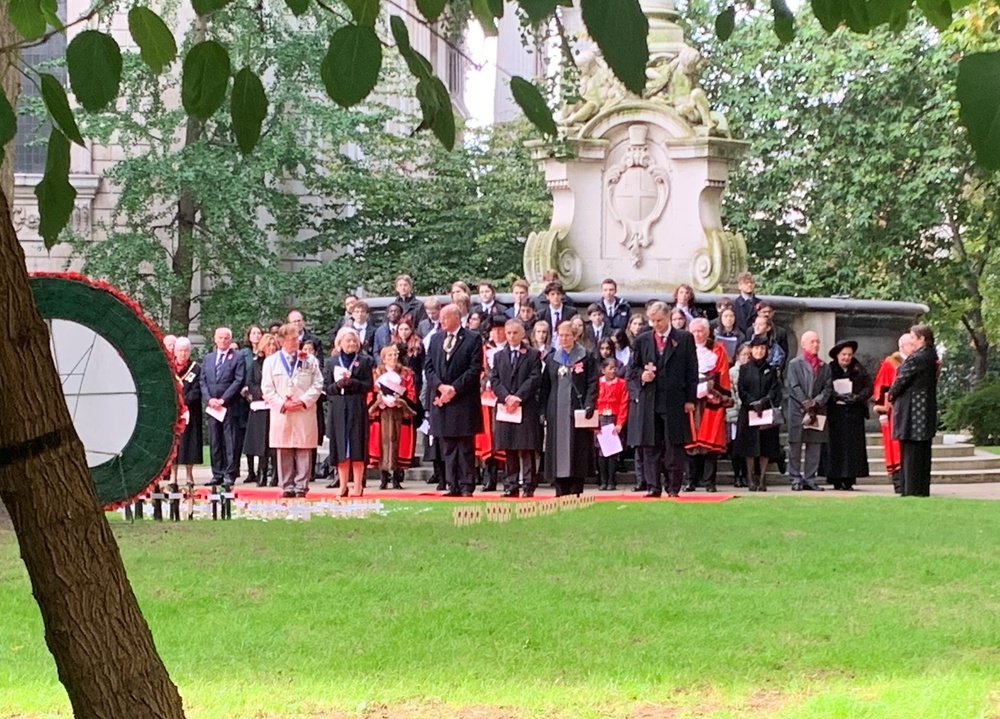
55,193
248,108
857,16
533,105
496,7
56,102
784,21
431,9
537,10
979,101
207,7
204,79
27,17
830,13
8,120
94,61
900,16
365,12
725,23
352,64
937,12
435,104
156,43
420,66
298,7
484,14
50,11
619,28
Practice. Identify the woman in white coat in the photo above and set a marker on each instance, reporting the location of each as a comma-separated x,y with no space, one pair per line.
292,383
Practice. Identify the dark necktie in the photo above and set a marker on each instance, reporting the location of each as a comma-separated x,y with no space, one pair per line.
555,321
513,358
449,345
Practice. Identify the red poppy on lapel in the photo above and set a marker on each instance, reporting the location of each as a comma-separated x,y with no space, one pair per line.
578,368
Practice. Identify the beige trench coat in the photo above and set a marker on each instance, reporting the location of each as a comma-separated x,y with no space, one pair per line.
292,430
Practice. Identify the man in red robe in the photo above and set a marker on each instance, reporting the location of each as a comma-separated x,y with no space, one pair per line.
883,381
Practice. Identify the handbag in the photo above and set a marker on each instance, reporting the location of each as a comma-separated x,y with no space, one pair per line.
778,416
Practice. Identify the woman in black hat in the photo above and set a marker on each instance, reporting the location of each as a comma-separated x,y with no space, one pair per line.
846,413
759,389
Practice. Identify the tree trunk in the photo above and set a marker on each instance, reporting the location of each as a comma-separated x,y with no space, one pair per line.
187,215
102,647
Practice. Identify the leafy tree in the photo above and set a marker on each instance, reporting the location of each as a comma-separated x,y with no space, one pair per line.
857,180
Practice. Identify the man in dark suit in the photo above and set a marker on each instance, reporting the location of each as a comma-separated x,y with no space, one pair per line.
614,308
515,379
410,305
663,386
778,334
223,376
745,306
296,319
453,368
556,311
432,322
349,301
385,332
597,329
487,304
521,291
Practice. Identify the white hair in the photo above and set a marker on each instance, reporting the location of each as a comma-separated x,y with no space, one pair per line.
700,321
182,343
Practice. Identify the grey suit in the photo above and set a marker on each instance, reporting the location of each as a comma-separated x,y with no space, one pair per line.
804,386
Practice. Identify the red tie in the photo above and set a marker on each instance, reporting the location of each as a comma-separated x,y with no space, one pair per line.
661,342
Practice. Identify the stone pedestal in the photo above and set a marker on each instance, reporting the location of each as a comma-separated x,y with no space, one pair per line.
640,202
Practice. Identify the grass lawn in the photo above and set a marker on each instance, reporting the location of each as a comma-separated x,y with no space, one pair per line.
762,607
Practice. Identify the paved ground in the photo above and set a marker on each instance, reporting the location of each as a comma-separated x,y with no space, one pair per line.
780,488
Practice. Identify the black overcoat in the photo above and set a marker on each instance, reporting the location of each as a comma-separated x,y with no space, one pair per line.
523,381
757,383
347,422
914,397
582,396
676,383
258,426
463,415
189,444
846,415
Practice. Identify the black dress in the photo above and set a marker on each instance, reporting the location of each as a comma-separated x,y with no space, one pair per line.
259,423
845,416
758,382
347,421
190,442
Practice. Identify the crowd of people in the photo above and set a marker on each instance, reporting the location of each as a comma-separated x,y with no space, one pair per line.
539,391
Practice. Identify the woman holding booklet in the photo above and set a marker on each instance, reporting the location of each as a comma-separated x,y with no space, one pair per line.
846,412
569,396
759,390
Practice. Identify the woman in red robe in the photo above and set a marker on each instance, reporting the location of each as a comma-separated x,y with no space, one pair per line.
391,434
715,394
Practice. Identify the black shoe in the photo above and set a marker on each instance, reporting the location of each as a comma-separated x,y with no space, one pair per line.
512,493
673,495
300,495
251,478
397,479
753,487
262,483
528,493
654,493
452,493
711,488
288,494
812,488
273,482
848,488
639,488
466,493
613,488
689,487
763,487
441,486
796,487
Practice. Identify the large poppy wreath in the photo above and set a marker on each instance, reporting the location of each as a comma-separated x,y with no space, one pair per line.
117,381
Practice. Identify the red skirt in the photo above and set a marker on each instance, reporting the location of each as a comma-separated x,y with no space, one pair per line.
484,440
890,448
404,450
710,425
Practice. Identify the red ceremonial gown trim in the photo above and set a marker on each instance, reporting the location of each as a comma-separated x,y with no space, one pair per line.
883,381
710,432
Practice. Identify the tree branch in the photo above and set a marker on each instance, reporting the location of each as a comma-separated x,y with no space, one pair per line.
94,12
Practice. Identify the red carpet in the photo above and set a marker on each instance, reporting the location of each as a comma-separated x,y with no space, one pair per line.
319,491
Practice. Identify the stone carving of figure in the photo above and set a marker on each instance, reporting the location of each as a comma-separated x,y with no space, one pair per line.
599,89
674,80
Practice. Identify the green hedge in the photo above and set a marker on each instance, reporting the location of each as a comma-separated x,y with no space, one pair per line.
978,412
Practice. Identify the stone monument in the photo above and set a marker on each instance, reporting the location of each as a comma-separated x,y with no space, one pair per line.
640,199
